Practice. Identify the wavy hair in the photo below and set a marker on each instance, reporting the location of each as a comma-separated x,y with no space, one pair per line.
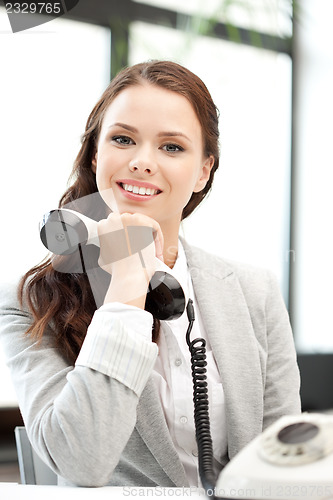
64,301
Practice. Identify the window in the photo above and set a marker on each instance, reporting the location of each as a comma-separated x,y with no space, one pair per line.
246,217
272,16
312,240
51,77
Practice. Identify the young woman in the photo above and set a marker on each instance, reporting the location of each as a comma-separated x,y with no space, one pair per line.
104,388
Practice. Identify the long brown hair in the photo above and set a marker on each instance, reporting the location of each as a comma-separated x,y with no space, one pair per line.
64,301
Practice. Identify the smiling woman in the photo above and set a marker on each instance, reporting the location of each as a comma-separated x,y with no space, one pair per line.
106,391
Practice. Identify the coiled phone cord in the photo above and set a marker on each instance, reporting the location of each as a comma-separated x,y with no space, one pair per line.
197,349
201,414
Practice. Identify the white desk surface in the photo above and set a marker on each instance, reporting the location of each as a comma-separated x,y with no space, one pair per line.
13,491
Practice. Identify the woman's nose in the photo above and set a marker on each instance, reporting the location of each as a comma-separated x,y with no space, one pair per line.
144,163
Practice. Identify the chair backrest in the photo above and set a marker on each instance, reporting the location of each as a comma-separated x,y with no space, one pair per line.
32,468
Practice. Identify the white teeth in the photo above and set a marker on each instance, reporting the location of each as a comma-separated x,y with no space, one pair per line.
139,190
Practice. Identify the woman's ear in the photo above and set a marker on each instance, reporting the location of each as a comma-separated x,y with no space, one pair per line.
204,174
94,162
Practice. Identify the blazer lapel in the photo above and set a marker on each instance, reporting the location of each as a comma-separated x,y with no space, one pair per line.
153,430
228,325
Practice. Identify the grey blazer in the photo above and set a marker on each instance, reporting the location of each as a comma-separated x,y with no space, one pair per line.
93,431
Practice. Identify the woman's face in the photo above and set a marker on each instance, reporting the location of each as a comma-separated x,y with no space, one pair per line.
150,153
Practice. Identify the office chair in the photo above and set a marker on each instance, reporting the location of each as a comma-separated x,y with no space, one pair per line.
32,468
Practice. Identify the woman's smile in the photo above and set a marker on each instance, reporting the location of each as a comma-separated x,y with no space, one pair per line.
138,191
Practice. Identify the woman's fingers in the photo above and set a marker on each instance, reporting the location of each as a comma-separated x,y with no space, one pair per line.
122,235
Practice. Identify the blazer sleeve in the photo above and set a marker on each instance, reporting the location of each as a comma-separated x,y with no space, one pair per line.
282,381
79,418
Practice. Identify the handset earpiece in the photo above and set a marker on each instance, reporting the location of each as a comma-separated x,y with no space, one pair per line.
63,231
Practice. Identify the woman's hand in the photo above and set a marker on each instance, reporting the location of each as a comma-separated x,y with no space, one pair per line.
129,246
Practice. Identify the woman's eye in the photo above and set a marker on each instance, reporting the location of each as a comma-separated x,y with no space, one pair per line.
123,140
172,148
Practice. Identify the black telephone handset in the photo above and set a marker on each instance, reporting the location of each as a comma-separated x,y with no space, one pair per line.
64,232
